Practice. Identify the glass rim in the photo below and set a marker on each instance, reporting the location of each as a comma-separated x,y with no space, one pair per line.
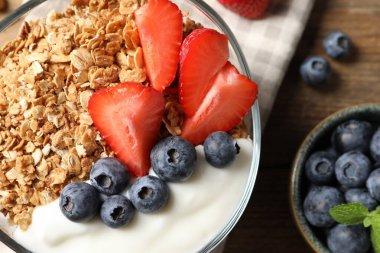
254,131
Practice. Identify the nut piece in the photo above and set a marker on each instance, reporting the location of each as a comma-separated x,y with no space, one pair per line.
138,58
134,75
173,117
84,97
37,68
128,6
37,156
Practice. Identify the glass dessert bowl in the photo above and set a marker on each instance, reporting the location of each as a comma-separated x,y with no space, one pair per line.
203,14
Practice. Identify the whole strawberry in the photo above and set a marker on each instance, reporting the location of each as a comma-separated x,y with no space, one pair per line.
247,8
3,5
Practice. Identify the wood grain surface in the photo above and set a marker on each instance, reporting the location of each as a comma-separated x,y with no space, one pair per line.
267,225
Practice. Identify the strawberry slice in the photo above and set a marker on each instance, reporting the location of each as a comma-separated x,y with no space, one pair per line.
204,52
159,23
230,97
129,116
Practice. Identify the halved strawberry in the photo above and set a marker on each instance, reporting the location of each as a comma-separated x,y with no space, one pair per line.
203,53
159,23
230,97
129,117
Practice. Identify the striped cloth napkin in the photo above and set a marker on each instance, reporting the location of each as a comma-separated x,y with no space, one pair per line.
268,45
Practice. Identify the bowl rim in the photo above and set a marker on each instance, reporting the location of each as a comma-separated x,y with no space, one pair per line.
254,130
254,117
295,202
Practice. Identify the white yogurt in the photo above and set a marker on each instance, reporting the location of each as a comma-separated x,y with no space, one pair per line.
197,210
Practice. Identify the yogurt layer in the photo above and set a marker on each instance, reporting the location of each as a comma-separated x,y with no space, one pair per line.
197,210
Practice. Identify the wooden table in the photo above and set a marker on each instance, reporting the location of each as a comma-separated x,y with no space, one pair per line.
267,225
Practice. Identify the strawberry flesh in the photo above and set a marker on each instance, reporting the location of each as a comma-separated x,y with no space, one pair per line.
129,116
203,53
226,103
159,23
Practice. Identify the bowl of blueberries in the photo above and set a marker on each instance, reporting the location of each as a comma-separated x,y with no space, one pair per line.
335,183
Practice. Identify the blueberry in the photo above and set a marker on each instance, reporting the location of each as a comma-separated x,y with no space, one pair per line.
318,203
332,152
352,169
362,196
375,146
220,149
79,201
109,176
173,159
116,211
315,70
149,194
319,167
348,239
337,45
352,135
373,184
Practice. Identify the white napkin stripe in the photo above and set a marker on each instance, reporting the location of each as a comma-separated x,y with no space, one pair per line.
269,43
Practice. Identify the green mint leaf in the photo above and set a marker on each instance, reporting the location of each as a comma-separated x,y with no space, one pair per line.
375,237
374,220
350,214
367,222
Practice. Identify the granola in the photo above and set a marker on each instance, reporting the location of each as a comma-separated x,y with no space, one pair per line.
47,76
